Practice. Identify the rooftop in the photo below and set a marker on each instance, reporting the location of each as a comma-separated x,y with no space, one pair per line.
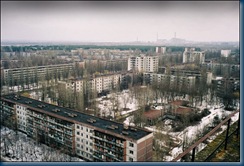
76,116
179,102
152,114
183,110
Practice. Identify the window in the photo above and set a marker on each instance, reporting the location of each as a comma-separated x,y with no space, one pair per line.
78,127
130,159
131,152
77,139
87,149
131,144
78,145
78,133
86,136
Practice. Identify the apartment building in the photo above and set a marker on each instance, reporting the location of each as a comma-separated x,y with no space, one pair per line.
225,53
172,80
89,137
190,55
17,75
161,50
143,63
196,74
222,69
226,85
72,84
99,83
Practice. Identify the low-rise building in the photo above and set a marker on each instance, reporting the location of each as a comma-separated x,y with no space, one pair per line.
152,115
179,107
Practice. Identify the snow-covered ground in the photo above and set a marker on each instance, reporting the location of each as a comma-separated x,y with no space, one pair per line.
128,121
19,147
190,133
123,99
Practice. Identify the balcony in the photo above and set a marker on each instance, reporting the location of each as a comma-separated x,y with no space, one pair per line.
101,153
108,141
99,157
108,148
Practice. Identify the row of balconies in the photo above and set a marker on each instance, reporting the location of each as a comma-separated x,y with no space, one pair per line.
104,156
110,146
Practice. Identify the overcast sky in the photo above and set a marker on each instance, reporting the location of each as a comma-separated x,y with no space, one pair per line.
119,21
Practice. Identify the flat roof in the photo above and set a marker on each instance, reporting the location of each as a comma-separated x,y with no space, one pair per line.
152,114
100,123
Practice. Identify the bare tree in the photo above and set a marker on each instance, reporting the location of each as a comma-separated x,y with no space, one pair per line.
125,98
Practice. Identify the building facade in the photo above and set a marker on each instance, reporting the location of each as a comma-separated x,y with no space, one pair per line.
98,84
190,55
143,63
227,85
89,137
161,50
223,69
33,74
187,82
225,53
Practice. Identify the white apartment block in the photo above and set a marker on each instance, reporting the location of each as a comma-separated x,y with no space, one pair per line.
225,53
21,117
190,55
143,63
74,85
161,50
98,83
104,82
